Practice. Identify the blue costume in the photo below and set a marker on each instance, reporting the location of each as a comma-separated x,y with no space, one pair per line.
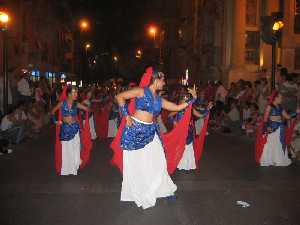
140,134
68,131
274,125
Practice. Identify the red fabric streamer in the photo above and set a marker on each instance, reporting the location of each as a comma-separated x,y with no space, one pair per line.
86,142
261,140
289,132
199,141
173,142
101,120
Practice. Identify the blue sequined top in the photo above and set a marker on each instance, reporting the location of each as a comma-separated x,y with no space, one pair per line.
276,111
148,102
140,134
68,130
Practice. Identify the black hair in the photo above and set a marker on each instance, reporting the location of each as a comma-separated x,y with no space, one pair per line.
70,88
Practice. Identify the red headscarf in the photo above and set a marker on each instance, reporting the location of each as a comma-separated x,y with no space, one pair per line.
173,142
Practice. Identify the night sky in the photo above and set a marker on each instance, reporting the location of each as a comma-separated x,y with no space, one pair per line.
118,25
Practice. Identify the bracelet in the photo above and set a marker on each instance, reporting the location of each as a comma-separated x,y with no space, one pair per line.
124,110
190,101
293,115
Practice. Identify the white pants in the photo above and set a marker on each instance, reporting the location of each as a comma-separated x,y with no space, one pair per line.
187,162
70,156
273,154
112,128
92,127
145,175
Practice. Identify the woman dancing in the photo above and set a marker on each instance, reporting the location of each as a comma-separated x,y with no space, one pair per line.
271,146
188,160
68,157
145,172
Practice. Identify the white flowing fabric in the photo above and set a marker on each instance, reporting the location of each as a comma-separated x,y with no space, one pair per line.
112,128
70,156
187,162
145,175
273,154
92,127
198,125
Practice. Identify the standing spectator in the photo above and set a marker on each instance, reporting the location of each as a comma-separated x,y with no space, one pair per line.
289,93
263,96
23,88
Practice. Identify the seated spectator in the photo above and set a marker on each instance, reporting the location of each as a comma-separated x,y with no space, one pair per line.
36,117
13,127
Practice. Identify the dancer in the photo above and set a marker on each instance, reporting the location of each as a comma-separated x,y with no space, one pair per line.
145,172
188,160
68,155
271,145
87,101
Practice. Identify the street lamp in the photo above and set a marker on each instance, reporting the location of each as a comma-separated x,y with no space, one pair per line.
4,19
115,58
152,31
271,33
84,25
139,54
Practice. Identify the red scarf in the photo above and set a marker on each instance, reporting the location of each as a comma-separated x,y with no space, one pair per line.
199,140
173,142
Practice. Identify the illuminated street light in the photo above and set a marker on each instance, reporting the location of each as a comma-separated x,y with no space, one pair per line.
4,18
152,31
87,46
84,25
115,58
278,25
138,54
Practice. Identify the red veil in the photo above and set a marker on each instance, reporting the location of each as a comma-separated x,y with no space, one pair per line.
101,120
85,139
173,141
199,140
261,136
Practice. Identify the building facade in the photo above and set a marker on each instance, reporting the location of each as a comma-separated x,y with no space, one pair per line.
39,36
220,39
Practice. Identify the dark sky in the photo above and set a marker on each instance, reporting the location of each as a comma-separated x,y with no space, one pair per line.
119,24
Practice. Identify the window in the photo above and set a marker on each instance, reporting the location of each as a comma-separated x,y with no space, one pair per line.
251,13
297,17
297,58
252,47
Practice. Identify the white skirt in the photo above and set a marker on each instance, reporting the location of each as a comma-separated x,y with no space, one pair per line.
92,127
273,154
199,125
112,128
70,156
187,161
145,175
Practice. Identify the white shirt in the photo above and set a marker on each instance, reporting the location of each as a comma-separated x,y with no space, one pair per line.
6,123
23,87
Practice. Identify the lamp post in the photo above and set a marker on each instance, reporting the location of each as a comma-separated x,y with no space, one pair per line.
84,26
4,19
271,33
